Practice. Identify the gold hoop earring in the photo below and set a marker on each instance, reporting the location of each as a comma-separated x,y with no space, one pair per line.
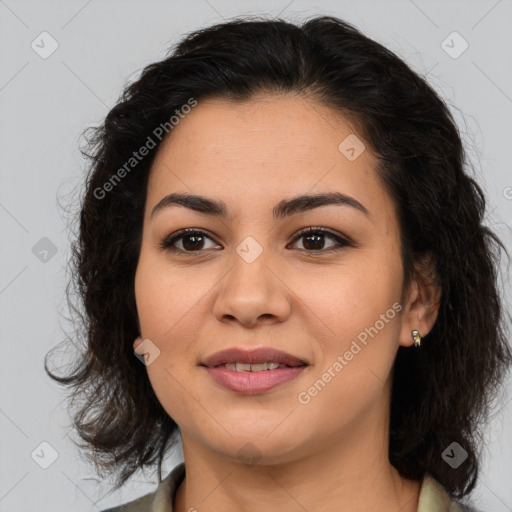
417,338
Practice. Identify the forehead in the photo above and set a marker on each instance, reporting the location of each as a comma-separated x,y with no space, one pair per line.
256,152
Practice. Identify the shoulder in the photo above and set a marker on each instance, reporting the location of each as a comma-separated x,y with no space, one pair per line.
435,498
161,500
141,504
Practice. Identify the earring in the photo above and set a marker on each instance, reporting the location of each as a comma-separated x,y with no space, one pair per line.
417,338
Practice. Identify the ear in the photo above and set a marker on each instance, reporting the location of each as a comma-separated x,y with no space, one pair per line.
136,343
422,303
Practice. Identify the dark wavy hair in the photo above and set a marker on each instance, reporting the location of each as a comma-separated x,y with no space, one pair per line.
442,393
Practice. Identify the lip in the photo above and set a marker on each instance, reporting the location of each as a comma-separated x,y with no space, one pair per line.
252,383
252,356
249,382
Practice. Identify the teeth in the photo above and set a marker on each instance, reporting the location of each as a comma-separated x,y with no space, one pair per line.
255,367
244,367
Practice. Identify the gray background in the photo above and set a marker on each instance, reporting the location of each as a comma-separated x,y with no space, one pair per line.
46,103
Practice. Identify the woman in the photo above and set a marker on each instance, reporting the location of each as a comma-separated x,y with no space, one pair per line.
283,260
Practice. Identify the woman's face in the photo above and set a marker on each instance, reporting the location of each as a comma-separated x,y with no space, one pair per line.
249,280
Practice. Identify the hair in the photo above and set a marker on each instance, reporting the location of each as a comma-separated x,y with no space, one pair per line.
441,393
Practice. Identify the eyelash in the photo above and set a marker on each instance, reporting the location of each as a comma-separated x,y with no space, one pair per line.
167,243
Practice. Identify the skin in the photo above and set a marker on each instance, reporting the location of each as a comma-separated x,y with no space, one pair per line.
329,454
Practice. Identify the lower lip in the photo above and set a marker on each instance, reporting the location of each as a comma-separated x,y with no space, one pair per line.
251,383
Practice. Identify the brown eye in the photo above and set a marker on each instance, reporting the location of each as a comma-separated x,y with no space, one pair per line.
314,240
192,240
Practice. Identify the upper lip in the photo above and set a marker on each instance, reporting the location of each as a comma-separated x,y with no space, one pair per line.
254,356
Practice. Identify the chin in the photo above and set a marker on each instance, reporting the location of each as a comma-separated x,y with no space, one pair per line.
258,449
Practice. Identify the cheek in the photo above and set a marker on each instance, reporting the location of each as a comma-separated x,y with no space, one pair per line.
352,297
356,352
167,300
357,326
164,296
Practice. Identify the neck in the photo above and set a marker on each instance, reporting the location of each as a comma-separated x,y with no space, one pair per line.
350,471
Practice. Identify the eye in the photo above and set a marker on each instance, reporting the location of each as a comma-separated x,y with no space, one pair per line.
314,238
193,240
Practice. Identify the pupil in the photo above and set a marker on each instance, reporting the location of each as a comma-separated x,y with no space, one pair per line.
194,245
314,242
318,244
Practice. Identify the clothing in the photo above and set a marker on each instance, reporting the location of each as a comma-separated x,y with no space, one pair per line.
433,497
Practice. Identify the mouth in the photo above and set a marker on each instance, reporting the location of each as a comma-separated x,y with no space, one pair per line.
258,367
253,372
260,359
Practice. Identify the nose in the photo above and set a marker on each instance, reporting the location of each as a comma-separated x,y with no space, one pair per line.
253,292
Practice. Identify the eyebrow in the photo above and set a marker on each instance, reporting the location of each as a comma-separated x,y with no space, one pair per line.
284,208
